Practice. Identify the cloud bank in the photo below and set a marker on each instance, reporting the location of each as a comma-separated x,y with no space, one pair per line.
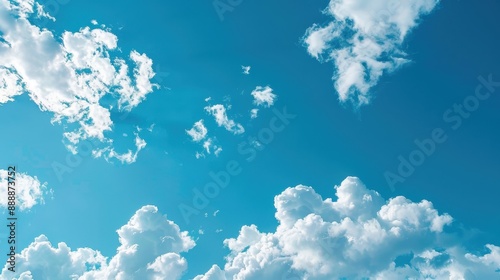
150,247
219,112
358,235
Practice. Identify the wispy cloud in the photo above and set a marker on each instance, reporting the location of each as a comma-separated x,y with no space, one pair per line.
364,41
210,146
246,69
358,235
219,112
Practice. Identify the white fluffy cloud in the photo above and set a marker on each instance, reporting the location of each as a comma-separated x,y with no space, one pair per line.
198,132
150,247
220,114
69,76
364,41
358,235
263,96
29,190
40,260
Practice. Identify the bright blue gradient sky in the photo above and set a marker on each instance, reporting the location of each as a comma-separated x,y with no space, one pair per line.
196,55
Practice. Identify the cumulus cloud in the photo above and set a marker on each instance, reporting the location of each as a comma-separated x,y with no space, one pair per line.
219,112
29,190
358,235
263,96
364,41
198,132
68,75
150,247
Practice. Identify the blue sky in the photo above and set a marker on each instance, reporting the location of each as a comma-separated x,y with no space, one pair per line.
102,150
